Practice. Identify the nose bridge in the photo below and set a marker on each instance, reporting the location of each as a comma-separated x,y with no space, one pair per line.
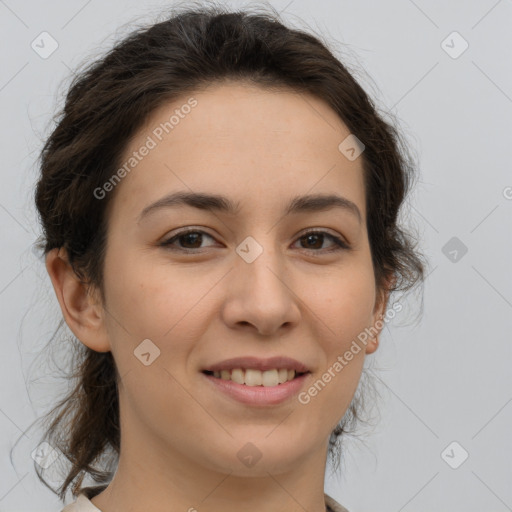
260,262
261,291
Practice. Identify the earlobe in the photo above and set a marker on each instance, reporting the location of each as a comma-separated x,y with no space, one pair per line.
373,339
83,315
378,317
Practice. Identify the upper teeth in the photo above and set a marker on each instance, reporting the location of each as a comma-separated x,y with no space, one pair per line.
252,377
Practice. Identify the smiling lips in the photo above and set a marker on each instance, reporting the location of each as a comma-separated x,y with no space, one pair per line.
254,371
258,395
252,377
256,363
256,381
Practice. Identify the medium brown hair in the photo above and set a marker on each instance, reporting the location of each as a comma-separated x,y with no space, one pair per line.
105,106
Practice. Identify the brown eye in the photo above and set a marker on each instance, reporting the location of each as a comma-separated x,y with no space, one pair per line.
188,240
315,239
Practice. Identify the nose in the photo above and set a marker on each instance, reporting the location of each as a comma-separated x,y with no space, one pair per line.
261,292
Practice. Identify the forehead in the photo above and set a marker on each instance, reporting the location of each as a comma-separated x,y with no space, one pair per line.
259,146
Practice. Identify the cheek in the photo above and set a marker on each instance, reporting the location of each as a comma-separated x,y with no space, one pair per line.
343,309
344,303
162,303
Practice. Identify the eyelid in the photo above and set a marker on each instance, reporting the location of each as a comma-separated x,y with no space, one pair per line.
340,242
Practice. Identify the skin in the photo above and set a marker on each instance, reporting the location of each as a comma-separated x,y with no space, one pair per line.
180,436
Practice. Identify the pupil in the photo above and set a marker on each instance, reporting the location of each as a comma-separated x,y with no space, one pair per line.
318,236
191,235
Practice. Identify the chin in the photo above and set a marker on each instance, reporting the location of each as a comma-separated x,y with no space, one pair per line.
277,453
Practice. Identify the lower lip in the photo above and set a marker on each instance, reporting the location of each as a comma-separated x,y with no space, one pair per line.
259,395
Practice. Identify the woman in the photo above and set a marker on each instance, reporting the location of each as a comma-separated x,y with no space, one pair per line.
219,203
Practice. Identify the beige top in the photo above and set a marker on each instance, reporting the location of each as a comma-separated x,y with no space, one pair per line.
84,504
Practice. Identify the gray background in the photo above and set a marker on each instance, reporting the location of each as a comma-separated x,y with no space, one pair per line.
443,378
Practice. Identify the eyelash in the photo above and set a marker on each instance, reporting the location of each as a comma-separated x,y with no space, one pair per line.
340,244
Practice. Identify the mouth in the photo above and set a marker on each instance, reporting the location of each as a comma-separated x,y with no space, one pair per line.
255,388
257,381
256,378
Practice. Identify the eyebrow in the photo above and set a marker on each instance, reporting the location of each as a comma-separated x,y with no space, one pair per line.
215,202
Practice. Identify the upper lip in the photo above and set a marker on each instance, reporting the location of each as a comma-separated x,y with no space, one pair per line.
257,363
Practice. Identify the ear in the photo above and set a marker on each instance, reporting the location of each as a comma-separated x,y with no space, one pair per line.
378,314
80,306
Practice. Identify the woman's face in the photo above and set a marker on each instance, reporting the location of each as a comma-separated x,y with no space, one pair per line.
243,284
